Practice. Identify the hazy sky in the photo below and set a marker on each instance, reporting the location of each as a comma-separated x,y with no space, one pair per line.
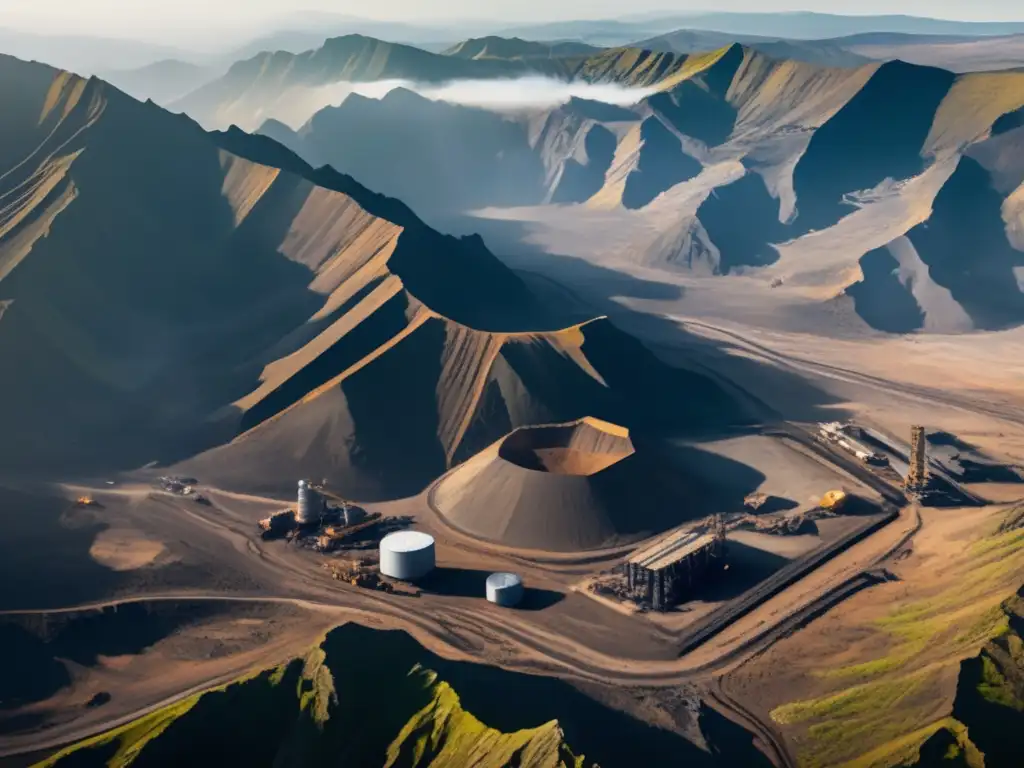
126,16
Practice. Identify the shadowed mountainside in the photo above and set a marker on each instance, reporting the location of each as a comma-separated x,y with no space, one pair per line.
371,697
167,290
482,158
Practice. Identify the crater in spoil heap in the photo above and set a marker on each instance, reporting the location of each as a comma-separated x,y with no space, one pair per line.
565,488
584,448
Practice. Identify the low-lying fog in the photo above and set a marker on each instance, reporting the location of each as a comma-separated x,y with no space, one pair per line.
509,94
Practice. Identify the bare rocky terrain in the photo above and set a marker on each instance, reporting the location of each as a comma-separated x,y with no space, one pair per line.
608,323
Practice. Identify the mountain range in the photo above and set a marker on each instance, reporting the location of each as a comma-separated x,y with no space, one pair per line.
168,290
276,85
250,287
892,170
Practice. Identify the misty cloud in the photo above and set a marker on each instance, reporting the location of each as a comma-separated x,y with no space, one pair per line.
530,92
527,92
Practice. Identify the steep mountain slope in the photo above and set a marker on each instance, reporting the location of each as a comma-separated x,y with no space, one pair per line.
408,146
892,192
403,144
317,711
168,290
367,697
282,85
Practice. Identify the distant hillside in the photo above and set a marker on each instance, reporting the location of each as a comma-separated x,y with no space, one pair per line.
162,81
281,85
891,192
84,54
822,52
800,25
605,33
956,53
266,82
166,291
516,48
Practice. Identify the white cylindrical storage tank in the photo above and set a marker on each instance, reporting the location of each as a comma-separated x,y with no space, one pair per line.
407,555
504,589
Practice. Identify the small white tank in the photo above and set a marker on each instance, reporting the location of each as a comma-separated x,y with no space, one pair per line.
407,555
505,589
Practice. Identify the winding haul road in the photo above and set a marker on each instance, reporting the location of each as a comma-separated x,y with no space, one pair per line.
459,633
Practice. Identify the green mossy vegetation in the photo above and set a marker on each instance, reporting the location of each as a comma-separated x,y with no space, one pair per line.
306,713
881,717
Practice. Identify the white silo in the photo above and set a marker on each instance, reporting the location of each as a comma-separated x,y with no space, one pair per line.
407,555
309,506
505,589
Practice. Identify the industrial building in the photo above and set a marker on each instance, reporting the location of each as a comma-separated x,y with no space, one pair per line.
407,555
664,573
504,589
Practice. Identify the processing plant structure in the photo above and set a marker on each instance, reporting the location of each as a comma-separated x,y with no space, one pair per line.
407,555
314,521
666,572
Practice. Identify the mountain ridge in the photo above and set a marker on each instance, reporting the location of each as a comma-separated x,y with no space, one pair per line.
814,155
253,330
259,88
